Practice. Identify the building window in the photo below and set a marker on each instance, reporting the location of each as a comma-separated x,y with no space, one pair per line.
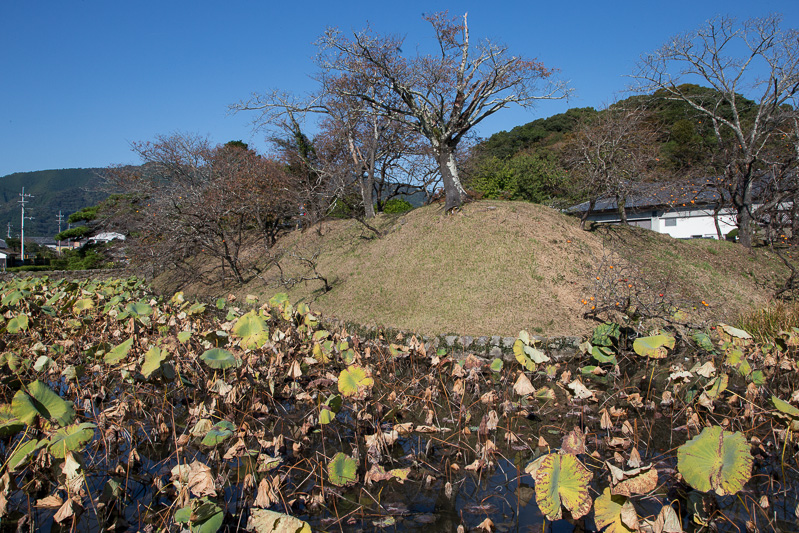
671,221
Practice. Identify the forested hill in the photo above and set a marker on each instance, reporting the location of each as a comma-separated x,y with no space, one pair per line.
67,190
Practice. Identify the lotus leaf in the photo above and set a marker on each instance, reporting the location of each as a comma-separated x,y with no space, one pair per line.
220,303
9,424
252,330
604,354
218,433
71,438
735,332
18,323
654,346
152,361
614,513
561,480
84,304
11,299
605,334
178,298
184,336
118,353
40,400
703,341
139,309
496,365
526,354
717,386
278,299
202,515
24,452
342,470
196,309
218,358
265,521
716,460
352,379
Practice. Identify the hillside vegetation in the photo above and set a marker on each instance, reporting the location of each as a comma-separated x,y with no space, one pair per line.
498,267
67,190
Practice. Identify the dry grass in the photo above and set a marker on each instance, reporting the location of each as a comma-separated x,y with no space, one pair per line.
498,267
765,324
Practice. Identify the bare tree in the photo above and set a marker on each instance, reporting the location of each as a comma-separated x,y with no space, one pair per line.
608,154
756,59
203,200
444,95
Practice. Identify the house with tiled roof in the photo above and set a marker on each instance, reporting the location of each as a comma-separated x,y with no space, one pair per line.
687,210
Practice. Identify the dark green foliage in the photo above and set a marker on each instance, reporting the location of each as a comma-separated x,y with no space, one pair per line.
86,214
72,234
397,205
87,258
65,190
534,177
541,132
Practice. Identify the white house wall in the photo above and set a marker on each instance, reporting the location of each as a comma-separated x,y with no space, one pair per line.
694,223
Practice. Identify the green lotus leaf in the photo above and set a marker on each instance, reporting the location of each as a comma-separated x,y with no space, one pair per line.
605,334
654,346
326,415
265,521
24,452
288,312
352,379
43,363
278,299
321,335
178,298
252,330
40,400
218,433
303,309
18,323
716,460
218,358
202,515
196,309
562,481
703,341
152,361
118,353
9,424
137,309
342,470
84,304
615,512
717,386
71,438
785,408
496,365
11,299
184,336
604,354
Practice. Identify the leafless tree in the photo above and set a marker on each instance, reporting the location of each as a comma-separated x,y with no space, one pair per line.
755,59
443,95
608,154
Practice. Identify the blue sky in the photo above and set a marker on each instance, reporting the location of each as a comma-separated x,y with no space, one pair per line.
81,80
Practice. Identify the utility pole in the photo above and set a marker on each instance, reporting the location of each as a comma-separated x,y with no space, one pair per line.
9,230
60,219
23,199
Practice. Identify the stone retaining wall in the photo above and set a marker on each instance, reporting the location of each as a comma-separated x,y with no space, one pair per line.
490,347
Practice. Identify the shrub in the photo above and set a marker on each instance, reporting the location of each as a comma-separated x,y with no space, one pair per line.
397,205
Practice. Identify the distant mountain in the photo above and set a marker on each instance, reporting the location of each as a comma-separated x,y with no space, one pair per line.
67,190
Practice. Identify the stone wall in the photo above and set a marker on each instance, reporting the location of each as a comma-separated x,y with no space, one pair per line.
490,347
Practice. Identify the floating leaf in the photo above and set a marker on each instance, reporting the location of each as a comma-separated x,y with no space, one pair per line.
717,386
71,438
218,433
604,354
252,330
18,323
138,309
218,358
118,353
703,341
735,332
496,365
202,515
352,380
196,309
265,521
152,361
562,480
24,452
184,336
342,470
84,304
615,513
40,400
716,460
605,334
654,346
9,424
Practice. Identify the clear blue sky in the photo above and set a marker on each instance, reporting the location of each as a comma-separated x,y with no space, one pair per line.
81,80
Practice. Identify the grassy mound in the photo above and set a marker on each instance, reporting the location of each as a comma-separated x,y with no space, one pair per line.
498,267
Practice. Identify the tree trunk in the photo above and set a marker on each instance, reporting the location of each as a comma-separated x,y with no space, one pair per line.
587,213
453,190
745,230
621,202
